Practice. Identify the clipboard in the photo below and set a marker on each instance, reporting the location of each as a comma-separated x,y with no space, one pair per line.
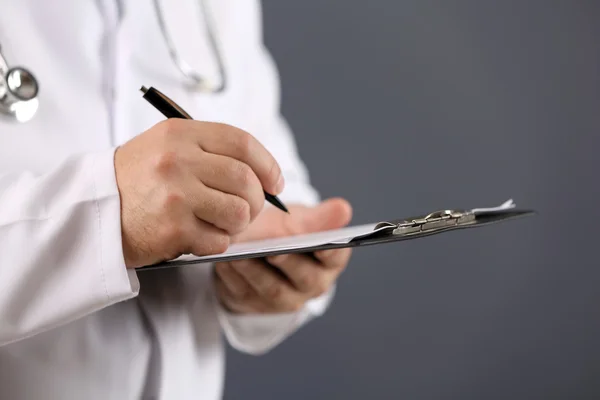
382,232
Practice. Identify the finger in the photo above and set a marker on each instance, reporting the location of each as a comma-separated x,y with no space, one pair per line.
335,258
235,304
203,238
232,142
231,176
236,285
225,211
333,213
304,272
269,286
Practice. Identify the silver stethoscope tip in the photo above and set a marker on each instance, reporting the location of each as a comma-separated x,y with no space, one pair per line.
21,83
18,92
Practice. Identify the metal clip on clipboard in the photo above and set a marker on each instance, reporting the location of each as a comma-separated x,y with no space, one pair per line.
433,221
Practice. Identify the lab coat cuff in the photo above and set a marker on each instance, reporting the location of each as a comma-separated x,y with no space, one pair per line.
121,283
258,333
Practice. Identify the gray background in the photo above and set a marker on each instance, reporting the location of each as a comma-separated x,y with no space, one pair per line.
456,103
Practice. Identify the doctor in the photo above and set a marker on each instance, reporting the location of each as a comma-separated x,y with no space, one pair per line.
94,182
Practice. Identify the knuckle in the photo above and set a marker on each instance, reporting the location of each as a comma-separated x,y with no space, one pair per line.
244,175
170,127
209,203
166,162
274,293
239,215
308,281
219,243
240,174
243,143
173,199
242,214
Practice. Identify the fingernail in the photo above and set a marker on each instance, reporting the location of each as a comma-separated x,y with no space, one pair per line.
280,184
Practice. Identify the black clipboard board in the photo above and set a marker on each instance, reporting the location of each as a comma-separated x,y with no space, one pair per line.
371,234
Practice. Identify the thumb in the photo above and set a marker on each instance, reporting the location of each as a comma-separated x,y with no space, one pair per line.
330,214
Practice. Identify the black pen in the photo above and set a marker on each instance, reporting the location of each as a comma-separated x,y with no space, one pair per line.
171,110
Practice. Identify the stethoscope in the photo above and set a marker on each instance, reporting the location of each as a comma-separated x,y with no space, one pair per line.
18,92
19,88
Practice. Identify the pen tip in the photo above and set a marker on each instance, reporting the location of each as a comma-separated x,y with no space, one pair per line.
276,202
282,207
144,89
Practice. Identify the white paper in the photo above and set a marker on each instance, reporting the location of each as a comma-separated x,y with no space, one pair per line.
343,235
502,207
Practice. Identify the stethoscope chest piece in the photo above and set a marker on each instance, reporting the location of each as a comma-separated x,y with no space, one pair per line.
18,92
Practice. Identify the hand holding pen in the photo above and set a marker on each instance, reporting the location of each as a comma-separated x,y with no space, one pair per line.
171,110
185,187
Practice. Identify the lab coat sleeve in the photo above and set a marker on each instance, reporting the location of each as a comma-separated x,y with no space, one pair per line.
257,334
60,246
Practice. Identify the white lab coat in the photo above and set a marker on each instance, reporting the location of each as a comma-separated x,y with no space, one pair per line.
74,322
